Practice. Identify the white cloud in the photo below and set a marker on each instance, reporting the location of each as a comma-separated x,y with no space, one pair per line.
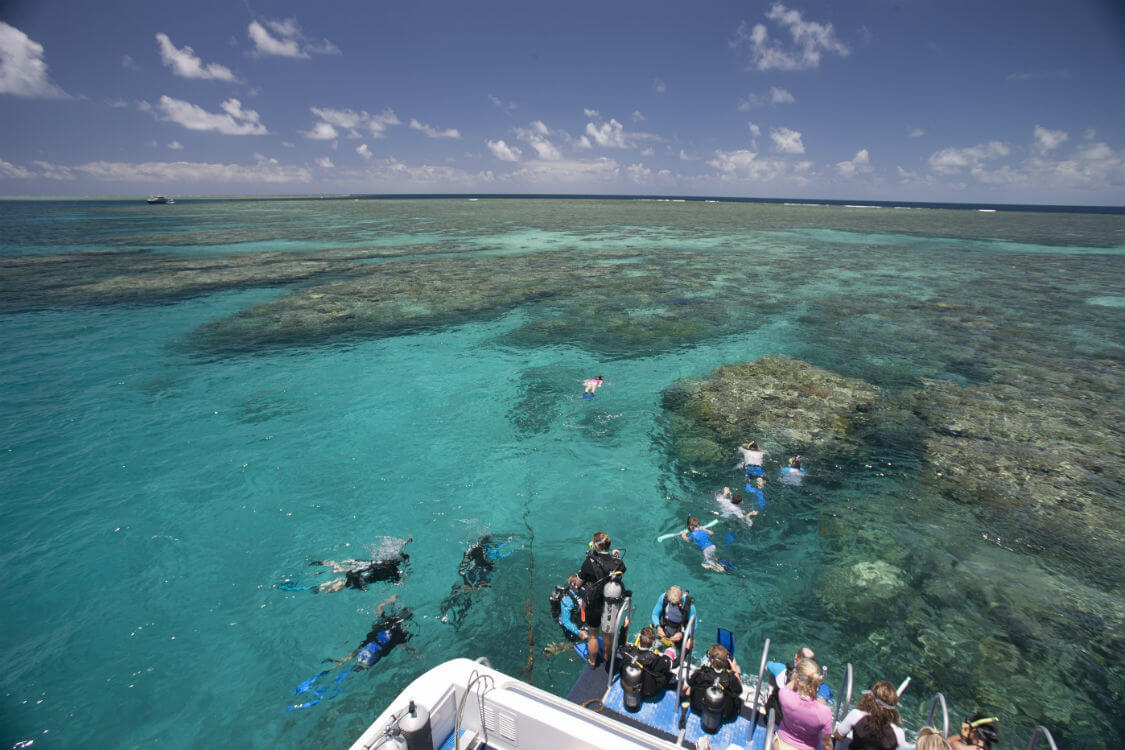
536,136
859,164
583,143
574,171
685,156
638,172
1048,140
503,151
780,96
953,160
325,163
235,121
590,113
787,141
658,86
646,151
180,172
22,70
288,42
754,129
915,132
363,151
499,103
9,171
321,131
809,41
349,121
128,62
776,96
433,132
609,134
176,146
638,116
185,64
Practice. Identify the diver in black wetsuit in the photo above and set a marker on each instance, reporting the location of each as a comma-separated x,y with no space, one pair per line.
359,573
476,573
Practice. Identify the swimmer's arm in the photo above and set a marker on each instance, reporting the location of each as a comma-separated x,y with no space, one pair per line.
684,536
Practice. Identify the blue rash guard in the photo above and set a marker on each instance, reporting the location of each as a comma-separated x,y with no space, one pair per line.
569,602
656,612
701,537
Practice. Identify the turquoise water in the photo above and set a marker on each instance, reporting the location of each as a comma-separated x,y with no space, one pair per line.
163,469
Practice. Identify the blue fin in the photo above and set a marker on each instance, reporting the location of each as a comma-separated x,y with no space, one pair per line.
725,638
588,396
582,649
730,537
728,566
307,685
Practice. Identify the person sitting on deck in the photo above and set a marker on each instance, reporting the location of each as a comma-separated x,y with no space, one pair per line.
806,719
875,723
670,615
722,670
656,667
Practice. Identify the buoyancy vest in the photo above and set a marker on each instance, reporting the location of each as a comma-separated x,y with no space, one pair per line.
674,617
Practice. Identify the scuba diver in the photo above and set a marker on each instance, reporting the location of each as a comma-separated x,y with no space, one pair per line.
357,573
715,689
387,631
568,609
645,673
475,570
671,614
601,573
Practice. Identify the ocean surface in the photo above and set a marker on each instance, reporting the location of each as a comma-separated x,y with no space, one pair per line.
186,422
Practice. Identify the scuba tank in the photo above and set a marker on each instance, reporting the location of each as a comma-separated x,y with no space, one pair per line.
632,677
711,718
613,595
415,727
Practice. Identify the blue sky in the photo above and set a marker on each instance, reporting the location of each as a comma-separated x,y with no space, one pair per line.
925,100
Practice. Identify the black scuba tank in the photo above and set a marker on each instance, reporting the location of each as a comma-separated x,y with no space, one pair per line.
711,718
416,729
632,677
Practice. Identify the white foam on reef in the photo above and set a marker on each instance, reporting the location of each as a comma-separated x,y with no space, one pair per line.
856,205
987,210
1107,301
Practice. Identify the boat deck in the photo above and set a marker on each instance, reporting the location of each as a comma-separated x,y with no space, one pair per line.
661,718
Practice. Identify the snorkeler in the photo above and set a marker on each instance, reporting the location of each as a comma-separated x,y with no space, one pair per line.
359,573
591,385
792,475
752,459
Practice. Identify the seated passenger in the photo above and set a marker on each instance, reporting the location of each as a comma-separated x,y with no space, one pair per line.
875,723
670,615
720,670
806,720
979,731
656,668
359,573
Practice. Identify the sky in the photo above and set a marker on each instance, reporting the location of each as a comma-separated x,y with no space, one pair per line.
1006,101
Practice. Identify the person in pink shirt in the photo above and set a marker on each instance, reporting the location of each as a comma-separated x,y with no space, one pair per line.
806,719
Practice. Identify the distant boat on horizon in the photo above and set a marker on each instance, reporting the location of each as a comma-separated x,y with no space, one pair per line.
160,199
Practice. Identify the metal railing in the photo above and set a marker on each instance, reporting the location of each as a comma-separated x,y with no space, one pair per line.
845,694
1041,730
758,688
626,608
682,671
939,698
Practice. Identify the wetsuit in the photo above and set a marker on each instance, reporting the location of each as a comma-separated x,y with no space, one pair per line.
672,617
704,677
386,633
595,572
375,570
570,614
656,669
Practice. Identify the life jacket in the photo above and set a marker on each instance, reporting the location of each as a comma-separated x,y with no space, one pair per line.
674,617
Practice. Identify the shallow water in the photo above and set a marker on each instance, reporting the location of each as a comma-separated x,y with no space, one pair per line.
171,450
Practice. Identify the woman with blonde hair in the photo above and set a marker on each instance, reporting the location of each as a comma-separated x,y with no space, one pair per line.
929,738
806,719
875,723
